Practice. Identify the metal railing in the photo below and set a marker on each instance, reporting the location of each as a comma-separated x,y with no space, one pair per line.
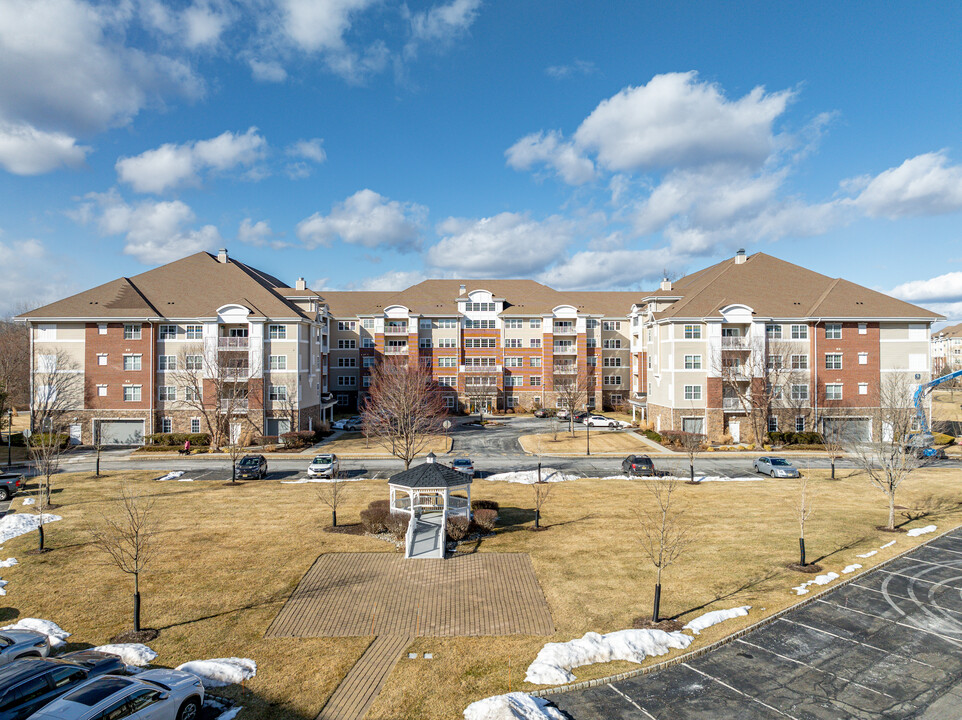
565,330
395,329
731,404
735,342
571,349
395,350
565,369
237,405
481,368
233,343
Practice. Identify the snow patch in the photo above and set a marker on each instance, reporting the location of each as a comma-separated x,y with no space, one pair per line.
3,587
219,672
303,480
886,545
136,654
915,532
529,477
171,476
12,526
513,706
230,714
552,665
870,553
851,568
57,634
9,562
30,501
714,617
819,580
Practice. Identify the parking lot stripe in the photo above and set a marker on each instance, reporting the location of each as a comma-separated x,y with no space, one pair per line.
813,667
856,642
887,594
941,565
736,690
917,577
944,549
897,622
633,703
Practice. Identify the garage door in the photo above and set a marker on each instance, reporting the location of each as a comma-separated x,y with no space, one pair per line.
848,429
277,426
122,432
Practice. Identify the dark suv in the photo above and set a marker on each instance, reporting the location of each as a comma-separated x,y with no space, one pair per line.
252,466
10,485
638,465
27,685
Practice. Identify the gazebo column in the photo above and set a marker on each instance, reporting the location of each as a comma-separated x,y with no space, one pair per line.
444,514
469,501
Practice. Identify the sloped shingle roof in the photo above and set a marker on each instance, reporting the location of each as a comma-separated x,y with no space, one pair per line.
430,475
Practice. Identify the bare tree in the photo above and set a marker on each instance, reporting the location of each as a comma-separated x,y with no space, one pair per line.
666,532
126,538
332,494
481,392
692,444
14,367
834,444
542,489
402,410
803,511
572,389
889,458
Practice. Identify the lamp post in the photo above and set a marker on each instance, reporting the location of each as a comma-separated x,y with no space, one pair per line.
9,434
587,432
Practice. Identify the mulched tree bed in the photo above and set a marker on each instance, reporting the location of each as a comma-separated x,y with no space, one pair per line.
882,528
352,529
811,568
131,636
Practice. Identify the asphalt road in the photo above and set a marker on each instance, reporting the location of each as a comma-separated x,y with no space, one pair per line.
888,645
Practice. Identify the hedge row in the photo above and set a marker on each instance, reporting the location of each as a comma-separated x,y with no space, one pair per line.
795,438
178,439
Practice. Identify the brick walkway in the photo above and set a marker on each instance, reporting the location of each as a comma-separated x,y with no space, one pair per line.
364,594
360,686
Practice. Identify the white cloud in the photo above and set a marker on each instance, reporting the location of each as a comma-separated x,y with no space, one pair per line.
203,25
259,234
551,149
155,232
392,280
267,71
578,67
171,166
309,149
506,245
443,23
63,67
597,270
367,219
25,150
315,26
30,277
945,288
922,185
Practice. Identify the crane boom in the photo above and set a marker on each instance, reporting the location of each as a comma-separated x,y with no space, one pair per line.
923,391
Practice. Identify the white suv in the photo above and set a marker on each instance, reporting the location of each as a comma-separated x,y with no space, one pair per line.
323,466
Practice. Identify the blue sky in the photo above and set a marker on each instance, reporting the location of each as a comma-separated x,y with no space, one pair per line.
367,144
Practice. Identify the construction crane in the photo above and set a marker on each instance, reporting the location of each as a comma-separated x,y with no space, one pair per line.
923,439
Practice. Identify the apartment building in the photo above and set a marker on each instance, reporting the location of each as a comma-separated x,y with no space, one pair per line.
755,334
199,340
947,349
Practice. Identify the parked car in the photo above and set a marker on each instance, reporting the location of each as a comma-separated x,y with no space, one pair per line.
323,466
562,415
544,413
581,416
349,424
464,465
776,467
22,643
10,485
252,466
602,421
150,695
638,465
29,684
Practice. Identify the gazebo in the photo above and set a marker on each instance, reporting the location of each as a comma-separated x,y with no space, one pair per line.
426,493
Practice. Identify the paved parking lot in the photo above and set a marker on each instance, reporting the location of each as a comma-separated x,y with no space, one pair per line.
888,645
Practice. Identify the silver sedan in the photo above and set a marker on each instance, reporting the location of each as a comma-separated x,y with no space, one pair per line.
150,695
776,467
22,643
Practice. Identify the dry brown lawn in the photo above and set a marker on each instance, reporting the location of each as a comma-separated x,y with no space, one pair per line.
602,441
354,444
230,556
947,405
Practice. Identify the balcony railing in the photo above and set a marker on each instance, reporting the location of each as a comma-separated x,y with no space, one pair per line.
735,342
395,329
566,349
233,343
490,369
565,330
237,405
565,369
731,404
237,374
396,350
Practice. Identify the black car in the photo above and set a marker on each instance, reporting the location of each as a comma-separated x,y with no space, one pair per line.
638,465
543,413
580,416
27,685
10,485
252,466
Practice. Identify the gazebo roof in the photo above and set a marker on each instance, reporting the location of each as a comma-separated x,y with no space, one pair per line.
430,475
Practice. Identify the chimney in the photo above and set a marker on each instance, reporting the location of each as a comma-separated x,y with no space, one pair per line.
462,290
431,457
666,284
222,255
301,284
740,257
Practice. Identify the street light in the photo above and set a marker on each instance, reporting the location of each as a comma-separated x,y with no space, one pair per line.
587,432
9,434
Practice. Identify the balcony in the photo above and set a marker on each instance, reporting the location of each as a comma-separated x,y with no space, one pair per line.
565,370
237,374
395,329
565,330
396,350
490,369
239,405
571,349
735,342
233,343
732,405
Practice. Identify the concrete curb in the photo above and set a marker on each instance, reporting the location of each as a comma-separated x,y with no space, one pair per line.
691,655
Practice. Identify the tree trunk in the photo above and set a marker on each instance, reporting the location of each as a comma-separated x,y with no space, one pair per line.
136,612
654,612
691,467
537,518
892,511
40,532
801,548
334,517
98,461
833,468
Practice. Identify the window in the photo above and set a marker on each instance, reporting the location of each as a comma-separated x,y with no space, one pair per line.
692,362
777,392
591,342
367,342
191,394
513,361
131,393
166,425
347,380
279,362
772,423
799,332
167,362
773,332
692,332
101,358
774,362
535,381
341,361
592,361
799,392
367,323
479,324
535,323
142,698
480,307
67,675
611,344
512,343
131,332
833,361
514,323
863,388
447,342
101,391
194,362
535,362
102,328
480,342
194,332
424,342
833,391
167,392
168,332
277,332
447,323
863,358
447,362
346,325
616,399
425,323
195,425
612,362
132,362
448,402
480,362
366,381
863,328
513,381
425,361
512,401
367,362
611,325
343,399
833,331
612,379
346,344
535,342
692,392
799,362
799,423
447,381
277,392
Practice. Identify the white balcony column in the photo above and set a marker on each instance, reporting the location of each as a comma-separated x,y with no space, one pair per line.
210,335
255,352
